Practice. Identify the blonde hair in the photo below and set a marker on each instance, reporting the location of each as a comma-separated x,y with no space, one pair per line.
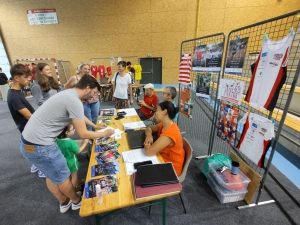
80,65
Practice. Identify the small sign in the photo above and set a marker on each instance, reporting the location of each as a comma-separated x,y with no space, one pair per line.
42,16
231,90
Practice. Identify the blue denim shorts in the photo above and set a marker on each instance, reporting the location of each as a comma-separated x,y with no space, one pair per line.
48,159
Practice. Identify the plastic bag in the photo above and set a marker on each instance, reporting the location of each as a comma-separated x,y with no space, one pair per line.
221,159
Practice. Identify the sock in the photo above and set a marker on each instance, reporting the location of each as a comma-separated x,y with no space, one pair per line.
77,202
66,202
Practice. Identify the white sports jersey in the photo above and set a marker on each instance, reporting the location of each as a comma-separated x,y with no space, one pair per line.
269,73
257,134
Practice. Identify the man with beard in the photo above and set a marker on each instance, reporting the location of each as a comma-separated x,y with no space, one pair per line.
38,144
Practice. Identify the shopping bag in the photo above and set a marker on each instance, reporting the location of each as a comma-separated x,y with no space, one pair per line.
221,159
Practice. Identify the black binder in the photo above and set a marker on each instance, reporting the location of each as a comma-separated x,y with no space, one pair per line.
156,174
136,138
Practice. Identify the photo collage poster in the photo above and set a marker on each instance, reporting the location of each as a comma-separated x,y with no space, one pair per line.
236,56
208,57
227,127
186,100
203,85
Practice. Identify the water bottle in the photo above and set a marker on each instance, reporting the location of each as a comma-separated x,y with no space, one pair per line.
99,194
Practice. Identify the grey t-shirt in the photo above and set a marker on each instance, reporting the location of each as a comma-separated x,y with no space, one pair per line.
52,117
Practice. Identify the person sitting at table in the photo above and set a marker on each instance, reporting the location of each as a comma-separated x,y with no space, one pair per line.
149,104
169,143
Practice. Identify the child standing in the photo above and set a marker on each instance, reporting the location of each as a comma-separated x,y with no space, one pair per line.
69,149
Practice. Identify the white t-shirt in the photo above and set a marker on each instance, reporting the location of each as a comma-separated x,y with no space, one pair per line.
258,132
122,86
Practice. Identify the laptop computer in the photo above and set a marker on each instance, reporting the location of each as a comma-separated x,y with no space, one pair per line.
103,81
136,138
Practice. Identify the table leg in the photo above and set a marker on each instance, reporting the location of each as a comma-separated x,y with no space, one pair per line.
163,202
98,219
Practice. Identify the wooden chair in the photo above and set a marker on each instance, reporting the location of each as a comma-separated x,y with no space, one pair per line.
188,156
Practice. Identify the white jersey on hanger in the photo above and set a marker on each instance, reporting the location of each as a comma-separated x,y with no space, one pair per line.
269,73
256,136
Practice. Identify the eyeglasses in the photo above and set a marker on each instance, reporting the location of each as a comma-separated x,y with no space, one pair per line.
72,129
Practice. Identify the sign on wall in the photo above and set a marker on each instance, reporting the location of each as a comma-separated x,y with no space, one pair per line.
42,16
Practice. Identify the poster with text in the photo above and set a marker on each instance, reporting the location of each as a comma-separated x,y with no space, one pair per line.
236,56
227,127
203,85
208,57
231,90
185,106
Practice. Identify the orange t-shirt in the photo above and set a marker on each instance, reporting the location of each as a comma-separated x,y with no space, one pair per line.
175,153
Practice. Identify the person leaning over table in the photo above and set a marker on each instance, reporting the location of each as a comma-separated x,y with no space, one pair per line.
38,144
169,143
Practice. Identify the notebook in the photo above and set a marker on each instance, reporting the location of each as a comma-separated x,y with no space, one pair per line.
143,192
156,174
136,138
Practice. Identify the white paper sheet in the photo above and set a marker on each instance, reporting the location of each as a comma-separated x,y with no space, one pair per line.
132,156
134,125
129,112
116,135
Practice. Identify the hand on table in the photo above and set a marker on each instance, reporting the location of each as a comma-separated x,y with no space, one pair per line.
108,132
148,140
101,126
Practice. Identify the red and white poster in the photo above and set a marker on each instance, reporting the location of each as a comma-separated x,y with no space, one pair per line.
42,16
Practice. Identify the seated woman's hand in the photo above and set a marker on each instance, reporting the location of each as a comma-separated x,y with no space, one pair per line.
148,140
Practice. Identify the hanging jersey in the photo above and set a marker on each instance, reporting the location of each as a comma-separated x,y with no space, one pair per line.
27,65
256,137
109,70
138,71
185,69
101,70
94,70
269,73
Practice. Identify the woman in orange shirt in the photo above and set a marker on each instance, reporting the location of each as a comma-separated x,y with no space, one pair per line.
169,143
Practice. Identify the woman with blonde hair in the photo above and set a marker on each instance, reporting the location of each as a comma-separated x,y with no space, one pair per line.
44,86
91,106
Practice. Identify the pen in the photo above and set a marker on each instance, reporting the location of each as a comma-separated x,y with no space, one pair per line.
114,124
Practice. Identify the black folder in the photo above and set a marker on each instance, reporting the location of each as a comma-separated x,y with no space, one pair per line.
136,138
156,174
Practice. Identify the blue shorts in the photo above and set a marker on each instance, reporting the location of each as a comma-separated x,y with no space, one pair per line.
48,159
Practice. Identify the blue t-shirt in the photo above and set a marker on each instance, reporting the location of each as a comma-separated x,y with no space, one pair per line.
176,116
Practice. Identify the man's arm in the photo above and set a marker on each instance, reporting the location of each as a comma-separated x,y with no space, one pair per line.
25,112
142,103
89,123
80,127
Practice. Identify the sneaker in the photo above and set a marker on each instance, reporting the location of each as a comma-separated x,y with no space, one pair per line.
33,169
76,206
64,208
41,175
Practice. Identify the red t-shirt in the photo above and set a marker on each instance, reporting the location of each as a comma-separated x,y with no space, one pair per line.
101,70
151,101
33,71
94,70
109,70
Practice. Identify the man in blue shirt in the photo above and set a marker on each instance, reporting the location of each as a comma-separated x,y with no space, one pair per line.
169,94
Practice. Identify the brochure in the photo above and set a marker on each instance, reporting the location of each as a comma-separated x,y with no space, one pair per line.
109,184
105,169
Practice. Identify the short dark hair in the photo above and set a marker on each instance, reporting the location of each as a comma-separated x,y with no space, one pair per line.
19,70
63,133
171,109
172,91
0,68
87,80
33,64
123,63
128,63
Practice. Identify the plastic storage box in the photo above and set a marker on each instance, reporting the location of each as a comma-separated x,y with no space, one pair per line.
238,182
224,195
